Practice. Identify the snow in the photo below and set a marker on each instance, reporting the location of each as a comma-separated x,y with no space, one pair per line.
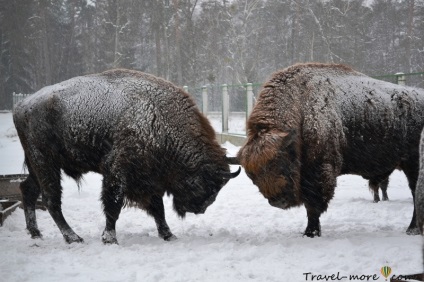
239,238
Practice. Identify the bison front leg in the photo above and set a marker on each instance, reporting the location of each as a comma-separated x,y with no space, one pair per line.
317,190
156,209
314,227
113,200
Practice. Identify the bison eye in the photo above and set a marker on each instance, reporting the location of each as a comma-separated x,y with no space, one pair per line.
261,128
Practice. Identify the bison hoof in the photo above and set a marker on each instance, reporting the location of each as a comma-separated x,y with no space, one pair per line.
109,237
170,237
74,238
413,231
312,233
35,233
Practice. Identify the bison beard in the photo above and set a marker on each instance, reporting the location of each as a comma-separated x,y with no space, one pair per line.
143,134
314,122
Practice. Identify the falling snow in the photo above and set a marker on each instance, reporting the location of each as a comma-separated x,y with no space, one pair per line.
240,237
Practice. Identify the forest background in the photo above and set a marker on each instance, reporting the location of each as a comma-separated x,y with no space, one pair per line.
202,42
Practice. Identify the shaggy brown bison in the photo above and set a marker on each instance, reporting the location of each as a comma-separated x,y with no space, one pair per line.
314,122
143,134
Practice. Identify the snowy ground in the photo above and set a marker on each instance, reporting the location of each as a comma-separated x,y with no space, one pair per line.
239,238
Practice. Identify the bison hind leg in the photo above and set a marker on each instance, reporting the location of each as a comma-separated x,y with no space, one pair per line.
374,186
383,186
30,192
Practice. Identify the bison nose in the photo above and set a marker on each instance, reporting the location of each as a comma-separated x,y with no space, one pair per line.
279,203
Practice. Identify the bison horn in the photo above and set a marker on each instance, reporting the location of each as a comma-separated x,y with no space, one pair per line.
232,160
229,175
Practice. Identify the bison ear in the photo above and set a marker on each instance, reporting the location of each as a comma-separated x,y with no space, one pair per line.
260,149
288,137
278,138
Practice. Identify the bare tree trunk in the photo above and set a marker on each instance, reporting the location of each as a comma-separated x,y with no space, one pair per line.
409,35
158,53
45,45
178,43
117,53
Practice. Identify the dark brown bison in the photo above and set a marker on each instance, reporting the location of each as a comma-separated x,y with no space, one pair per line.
143,134
314,122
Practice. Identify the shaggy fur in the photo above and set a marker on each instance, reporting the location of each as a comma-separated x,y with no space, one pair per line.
143,134
314,122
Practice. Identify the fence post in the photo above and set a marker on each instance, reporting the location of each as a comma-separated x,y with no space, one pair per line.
225,107
249,97
204,99
400,78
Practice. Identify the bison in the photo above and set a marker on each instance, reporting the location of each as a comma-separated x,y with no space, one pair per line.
142,133
313,122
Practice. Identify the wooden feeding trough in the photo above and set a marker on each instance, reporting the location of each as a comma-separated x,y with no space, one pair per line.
10,195
9,186
6,208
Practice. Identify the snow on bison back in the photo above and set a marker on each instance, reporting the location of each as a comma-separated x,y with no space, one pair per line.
313,122
143,134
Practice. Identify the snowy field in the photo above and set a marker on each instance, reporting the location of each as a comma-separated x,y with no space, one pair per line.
239,238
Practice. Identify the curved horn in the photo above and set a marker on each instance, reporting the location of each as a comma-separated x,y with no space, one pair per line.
229,175
232,160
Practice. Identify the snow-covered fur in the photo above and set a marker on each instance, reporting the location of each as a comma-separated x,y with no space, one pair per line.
143,134
313,122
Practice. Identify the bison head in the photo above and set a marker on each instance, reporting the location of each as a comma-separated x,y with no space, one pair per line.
270,158
200,188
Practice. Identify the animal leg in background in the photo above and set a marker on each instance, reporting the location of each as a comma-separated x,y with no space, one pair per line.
375,185
383,186
30,192
113,200
157,210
